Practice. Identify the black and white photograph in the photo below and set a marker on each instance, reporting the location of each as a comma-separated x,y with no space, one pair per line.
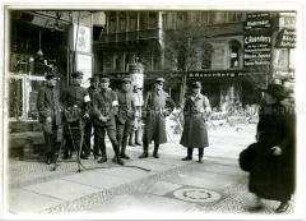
136,112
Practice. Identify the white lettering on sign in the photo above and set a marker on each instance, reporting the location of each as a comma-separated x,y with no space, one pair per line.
255,39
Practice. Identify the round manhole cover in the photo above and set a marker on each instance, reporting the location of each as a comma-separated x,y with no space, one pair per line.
197,195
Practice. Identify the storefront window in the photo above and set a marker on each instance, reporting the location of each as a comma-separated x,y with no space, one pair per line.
16,98
235,50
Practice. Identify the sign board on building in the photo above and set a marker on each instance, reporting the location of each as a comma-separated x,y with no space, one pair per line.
258,20
82,39
286,38
84,64
287,20
258,40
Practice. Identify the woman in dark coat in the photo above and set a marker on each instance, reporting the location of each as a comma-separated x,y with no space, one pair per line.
195,133
272,172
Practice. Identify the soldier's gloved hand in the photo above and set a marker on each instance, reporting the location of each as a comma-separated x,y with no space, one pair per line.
277,151
86,116
49,119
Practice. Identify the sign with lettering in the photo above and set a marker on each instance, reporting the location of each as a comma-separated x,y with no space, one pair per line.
286,38
257,40
258,20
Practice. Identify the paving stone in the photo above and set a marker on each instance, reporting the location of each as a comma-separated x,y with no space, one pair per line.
61,189
22,201
204,180
153,166
162,187
144,203
126,172
98,179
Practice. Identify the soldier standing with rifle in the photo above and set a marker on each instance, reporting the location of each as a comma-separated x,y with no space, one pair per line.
155,111
49,110
76,103
93,88
104,108
125,115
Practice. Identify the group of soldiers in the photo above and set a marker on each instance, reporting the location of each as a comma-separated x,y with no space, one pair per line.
69,115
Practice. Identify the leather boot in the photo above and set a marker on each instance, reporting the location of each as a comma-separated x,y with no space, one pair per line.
123,154
137,137
145,153
189,155
155,152
201,152
103,159
131,139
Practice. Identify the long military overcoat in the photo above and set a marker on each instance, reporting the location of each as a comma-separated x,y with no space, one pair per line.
158,106
195,131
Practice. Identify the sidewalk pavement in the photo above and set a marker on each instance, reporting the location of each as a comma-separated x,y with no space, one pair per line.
166,184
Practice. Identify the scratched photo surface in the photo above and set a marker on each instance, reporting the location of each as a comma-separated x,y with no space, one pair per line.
151,111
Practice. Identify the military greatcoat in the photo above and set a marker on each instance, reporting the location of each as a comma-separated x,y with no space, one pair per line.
158,105
195,131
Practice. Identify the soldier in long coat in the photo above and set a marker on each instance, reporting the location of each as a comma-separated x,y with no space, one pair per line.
196,110
273,168
158,105
49,112
125,116
105,108
76,111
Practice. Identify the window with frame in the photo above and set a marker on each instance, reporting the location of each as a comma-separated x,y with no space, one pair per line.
112,26
180,19
235,56
205,17
122,22
133,21
153,19
143,20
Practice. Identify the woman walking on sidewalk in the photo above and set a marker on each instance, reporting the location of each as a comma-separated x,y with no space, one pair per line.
272,170
196,110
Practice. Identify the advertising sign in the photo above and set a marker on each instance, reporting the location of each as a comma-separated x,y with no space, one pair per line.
257,40
286,38
82,39
84,64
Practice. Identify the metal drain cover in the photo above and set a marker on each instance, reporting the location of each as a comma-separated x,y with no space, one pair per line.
197,195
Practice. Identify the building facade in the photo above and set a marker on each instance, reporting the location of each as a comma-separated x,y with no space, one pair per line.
215,54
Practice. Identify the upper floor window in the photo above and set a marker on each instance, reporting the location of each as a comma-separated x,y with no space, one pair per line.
207,50
122,21
112,22
143,20
153,19
132,21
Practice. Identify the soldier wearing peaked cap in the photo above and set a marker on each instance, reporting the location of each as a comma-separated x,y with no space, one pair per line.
195,134
125,115
49,112
93,88
76,111
158,105
104,109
